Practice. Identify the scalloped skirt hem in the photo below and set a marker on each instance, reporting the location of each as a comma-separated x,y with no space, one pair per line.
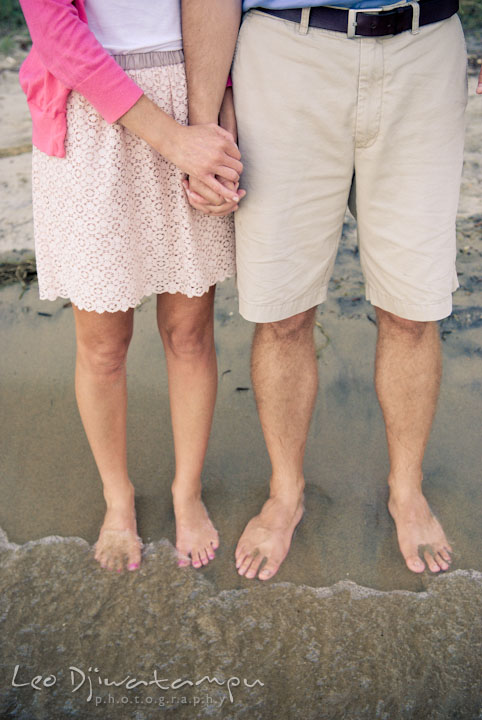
125,304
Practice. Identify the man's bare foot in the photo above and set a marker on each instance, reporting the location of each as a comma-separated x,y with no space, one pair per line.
418,530
267,537
118,545
196,537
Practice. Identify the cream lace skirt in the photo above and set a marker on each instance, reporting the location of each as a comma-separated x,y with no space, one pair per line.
111,220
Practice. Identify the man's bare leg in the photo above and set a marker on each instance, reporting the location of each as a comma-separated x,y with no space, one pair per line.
407,379
285,381
187,331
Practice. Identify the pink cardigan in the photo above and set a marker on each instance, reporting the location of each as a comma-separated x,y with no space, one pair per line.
66,56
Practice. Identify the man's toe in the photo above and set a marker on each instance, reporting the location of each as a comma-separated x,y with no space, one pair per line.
445,552
415,563
240,556
431,562
443,564
270,569
253,568
245,564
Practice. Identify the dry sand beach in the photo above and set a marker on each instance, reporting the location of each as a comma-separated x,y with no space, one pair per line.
344,630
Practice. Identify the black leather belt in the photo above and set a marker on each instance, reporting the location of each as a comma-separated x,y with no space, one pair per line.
373,23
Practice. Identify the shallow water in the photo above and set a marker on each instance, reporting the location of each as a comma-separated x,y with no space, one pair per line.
321,636
79,642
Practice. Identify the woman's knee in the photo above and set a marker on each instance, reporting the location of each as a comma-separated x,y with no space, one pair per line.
104,356
188,339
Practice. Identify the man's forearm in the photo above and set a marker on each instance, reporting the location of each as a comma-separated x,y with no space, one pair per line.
209,31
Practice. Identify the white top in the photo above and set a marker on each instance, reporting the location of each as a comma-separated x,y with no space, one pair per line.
129,26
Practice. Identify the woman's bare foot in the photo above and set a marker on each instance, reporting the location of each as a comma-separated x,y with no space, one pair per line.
196,537
418,530
267,536
118,545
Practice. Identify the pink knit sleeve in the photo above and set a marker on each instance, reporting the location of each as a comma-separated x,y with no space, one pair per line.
71,52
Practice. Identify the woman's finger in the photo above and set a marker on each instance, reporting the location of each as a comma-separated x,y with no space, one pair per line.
215,210
201,192
219,188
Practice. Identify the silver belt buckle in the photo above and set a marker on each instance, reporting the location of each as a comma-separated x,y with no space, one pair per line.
352,15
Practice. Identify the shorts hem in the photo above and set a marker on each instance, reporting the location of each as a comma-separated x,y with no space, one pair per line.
255,312
409,311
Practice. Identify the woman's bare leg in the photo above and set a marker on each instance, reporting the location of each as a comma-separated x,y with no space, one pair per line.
100,384
187,331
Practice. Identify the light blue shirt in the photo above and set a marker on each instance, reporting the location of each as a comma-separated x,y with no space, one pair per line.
281,4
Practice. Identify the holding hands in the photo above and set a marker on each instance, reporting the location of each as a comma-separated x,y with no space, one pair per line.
202,195
207,153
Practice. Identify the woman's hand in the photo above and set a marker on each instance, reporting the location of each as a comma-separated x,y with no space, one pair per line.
204,199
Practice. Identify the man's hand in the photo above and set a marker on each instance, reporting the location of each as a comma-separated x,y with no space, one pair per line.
204,152
479,86
227,116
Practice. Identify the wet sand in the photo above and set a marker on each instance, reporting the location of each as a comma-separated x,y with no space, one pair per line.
343,630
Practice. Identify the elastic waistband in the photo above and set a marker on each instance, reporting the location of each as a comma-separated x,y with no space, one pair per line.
139,61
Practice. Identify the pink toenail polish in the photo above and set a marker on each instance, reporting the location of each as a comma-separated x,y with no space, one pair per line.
133,566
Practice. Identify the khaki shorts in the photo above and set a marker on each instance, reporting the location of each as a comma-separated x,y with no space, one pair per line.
315,112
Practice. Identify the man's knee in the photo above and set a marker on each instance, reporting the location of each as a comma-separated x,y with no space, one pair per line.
290,329
412,330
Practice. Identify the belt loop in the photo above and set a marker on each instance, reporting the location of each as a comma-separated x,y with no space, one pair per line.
305,21
415,17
